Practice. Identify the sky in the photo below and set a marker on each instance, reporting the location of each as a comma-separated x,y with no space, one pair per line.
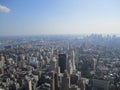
36,17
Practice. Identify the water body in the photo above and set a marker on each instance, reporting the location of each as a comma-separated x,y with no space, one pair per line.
12,44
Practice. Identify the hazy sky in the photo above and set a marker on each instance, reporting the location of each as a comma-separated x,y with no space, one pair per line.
34,17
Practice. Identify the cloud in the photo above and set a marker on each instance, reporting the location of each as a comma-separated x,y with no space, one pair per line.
4,9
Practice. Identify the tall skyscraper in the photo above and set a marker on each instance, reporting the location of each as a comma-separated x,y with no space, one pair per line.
73,60
53,64
81,84
62,62
2,62
28,85
70,67
94,63
65,85
52,81
54,84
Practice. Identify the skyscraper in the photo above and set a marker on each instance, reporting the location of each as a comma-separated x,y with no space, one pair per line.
70,67
53,64
54,84
73,60
65,85
62,62
2,62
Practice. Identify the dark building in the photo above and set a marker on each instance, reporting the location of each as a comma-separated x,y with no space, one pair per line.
62,62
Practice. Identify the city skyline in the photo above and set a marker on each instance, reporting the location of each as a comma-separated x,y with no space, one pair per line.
28,17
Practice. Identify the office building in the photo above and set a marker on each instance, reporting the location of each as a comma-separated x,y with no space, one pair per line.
62,62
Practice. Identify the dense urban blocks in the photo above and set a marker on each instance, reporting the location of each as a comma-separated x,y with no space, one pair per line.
60,63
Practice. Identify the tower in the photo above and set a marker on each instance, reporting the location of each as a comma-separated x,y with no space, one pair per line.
54,83
28,85
65,81
81,84
94,63
2,62
70,67
53,64
62,62
73,60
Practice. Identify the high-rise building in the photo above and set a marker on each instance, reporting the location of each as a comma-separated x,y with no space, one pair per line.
65,85
2,62
56,81
94,63
69,67
54,84
53,64
28,85
73,60
81,84
53,80
62,62
74,79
